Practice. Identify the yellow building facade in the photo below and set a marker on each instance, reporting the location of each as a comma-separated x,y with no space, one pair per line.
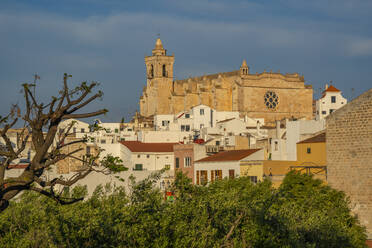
311,159
269,95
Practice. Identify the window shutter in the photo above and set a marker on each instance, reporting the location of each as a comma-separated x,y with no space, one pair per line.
197,178
212,175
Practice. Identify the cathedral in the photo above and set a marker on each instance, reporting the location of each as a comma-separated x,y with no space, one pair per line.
269,95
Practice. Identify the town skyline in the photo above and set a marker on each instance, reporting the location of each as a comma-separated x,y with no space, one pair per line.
106,41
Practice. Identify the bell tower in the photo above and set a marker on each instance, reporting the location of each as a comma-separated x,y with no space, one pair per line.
159,65
159,74
244,69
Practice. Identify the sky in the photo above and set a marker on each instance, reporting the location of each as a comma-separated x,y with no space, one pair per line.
106,41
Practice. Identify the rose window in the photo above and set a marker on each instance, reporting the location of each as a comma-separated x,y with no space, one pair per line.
271,100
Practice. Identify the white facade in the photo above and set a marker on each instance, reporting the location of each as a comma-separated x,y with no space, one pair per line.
148,161
164,136
224,166
198,117
331,100
298,131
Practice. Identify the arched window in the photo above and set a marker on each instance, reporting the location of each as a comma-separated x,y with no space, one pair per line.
151,72
164,71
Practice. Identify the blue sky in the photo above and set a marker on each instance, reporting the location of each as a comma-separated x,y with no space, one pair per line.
106,41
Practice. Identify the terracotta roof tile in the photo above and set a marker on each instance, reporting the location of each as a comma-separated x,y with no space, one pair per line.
18,166
369,243
332,89
137,146
320,138
234,155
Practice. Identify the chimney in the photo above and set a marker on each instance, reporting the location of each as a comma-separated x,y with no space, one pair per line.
326,86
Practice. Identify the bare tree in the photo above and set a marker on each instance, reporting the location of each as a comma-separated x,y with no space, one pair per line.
40,126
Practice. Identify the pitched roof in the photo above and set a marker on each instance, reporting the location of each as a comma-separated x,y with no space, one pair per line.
320,138
332,89
137,146
234,155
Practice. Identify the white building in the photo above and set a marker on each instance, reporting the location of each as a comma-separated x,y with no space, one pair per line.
138,156
224,164
330,101
196,118
162,136
299,130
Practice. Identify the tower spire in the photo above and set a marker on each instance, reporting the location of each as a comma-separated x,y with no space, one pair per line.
159,49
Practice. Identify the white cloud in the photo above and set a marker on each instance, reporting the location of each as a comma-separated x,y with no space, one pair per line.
361,47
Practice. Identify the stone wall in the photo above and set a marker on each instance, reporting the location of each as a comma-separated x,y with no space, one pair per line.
226,91
349,155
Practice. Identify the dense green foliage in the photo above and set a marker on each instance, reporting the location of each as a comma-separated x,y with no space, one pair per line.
303,212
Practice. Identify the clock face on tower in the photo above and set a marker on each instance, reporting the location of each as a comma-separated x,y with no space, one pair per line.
271,100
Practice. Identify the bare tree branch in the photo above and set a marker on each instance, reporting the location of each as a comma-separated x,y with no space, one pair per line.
86,115
42,130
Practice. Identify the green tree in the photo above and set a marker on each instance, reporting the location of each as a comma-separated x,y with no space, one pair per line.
303,212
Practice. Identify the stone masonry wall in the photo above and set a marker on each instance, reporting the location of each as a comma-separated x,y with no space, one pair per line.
349,155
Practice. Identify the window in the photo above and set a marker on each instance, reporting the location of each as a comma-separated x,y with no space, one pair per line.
231,174
164,71
103,141
309,150
201,111
253,179
151,72
177,163
182,128
217,142
167,166
333,99
187,128
83,130
331,111
271,100
74,129
324,112
122,139
276,145
203,177
165,123
187,161
138,167
116,130
129,130
187,116
138,155
88,150
147,156
92,139
216,175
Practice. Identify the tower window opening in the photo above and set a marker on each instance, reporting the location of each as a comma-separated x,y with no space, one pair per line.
151,71
164,71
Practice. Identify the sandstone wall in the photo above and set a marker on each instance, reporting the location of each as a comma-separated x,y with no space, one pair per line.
349,154
231,91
